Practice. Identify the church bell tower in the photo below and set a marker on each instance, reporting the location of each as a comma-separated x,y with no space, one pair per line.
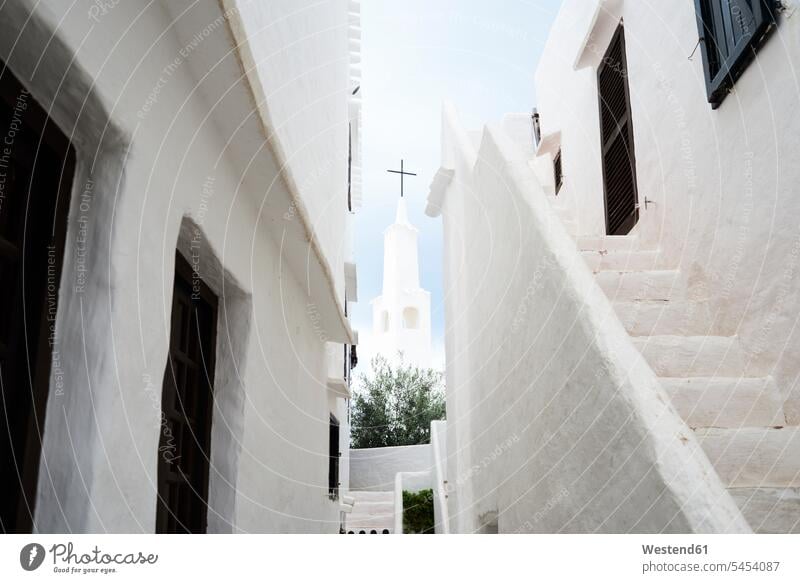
401,315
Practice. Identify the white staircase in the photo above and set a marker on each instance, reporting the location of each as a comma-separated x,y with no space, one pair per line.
373,513
734,408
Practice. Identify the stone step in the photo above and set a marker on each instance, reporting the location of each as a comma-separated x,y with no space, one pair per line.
769,510
754,457
561,208
374,508
665,317
660,284
726,402
368,527
379,521
609,243
371,511
621,260
370,522
369,496
571,227
695,356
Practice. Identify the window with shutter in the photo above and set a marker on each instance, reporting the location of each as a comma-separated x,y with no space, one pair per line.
619,162
731,31
333,458
558,175
537,127
350,167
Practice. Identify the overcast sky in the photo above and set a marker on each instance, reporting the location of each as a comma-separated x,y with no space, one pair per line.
479,54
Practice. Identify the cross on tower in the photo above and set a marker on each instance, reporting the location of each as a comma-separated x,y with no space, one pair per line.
402,174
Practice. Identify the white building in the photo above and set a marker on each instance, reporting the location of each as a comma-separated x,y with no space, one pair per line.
187,318
401,315
624,358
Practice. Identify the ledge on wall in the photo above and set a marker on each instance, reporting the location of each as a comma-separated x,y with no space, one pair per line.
351,282
339,387
605,18
336,379
549,144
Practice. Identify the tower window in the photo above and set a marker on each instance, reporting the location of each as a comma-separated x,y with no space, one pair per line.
411,318
385,321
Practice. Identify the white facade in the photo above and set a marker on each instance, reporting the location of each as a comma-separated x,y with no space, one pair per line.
219,130
645,382
401,315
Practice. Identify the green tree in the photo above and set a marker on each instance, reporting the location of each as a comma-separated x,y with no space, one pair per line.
395,405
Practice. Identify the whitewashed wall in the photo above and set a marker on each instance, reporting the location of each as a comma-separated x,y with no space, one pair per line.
439,481
724,182
302,55
168,138
555,422
374,469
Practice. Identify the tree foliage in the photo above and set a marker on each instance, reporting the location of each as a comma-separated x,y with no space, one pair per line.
395,405
418,515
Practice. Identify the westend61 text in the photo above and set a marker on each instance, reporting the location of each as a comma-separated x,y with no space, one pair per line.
671,550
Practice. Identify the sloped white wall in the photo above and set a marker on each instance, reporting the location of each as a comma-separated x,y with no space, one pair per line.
564,425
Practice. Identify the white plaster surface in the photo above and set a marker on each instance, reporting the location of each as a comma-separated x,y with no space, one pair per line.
165,128
374,469
439,476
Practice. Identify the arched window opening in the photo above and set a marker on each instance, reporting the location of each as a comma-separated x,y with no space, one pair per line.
385,321
411,318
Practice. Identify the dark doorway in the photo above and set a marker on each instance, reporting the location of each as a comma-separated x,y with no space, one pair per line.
186,406
37,163
619,162
333,458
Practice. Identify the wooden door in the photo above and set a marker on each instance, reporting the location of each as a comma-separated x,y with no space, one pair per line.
333,458
36,171
186,406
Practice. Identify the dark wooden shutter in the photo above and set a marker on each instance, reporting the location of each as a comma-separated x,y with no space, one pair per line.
619,163
187,404
350,167
36,174
558,175
333,458
731,32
